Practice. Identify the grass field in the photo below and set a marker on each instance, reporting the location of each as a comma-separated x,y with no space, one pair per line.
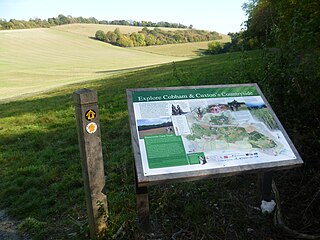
36,60
40,173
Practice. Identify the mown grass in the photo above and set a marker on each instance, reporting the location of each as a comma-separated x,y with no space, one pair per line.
40,175
34,60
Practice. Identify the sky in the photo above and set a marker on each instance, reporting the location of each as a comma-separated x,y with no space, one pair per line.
223,16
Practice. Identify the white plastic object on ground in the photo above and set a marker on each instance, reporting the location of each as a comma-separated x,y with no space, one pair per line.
267,206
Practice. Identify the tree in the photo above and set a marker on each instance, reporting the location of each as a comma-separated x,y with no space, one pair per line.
100,35
150,40
111,37
51,21
140,39
63,19
124,41
118,32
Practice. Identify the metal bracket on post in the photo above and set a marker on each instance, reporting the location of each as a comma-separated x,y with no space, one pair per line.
88,126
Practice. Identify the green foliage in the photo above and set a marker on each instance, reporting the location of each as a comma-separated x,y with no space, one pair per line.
100,35
111,37
215,47
118,32
284,23
150,40
124,41
138,39
238,43
291,66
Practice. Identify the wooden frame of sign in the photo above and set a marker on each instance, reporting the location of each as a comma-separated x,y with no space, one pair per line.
197,132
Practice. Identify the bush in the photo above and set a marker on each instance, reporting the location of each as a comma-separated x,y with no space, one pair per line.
215,47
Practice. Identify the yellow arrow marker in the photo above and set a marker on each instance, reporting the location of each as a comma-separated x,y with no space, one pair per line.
90,115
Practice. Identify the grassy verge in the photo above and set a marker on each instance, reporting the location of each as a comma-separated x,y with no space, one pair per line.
40,174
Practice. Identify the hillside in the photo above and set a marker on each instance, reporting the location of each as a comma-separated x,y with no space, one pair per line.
192,49
34,60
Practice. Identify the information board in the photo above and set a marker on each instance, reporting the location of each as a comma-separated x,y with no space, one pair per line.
185,133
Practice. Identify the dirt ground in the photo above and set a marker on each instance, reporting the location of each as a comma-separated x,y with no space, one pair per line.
8,228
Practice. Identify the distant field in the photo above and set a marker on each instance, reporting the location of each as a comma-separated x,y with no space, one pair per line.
90,30
34,60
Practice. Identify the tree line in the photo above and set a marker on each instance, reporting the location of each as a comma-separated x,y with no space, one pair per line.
156,36
145,24
281,24
62,19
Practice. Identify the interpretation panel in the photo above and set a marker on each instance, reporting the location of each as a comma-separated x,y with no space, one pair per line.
188,133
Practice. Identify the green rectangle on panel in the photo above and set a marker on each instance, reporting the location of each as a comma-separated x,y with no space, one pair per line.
165,151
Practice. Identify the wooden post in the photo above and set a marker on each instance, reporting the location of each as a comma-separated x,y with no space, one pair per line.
265,186
88,125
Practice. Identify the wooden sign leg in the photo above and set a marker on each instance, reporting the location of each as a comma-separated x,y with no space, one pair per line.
143,209
265,186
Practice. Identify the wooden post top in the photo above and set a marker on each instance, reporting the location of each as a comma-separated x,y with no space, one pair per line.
85,96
